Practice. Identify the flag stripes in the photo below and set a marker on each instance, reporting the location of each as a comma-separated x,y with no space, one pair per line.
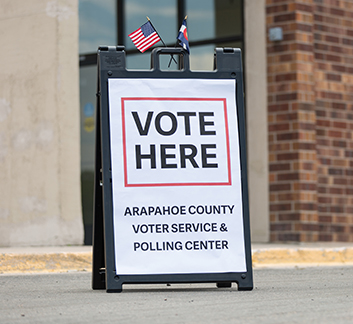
144,37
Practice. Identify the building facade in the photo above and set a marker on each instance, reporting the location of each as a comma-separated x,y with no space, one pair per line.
310,112
298,73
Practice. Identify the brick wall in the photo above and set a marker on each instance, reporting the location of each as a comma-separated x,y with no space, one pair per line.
310,120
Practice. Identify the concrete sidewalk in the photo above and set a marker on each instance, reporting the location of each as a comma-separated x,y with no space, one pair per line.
79,258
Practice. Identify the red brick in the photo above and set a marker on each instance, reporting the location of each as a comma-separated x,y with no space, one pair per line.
276,9
280,207
288,176
338,68
303,7
288,156
333,58
307,186
335,171
337,12
333,77
336,191
284,17
339,143
278,107
307,227
278,127
325,237
323,122
325,219
280,167
289,217
305,146
324,200
335,134
339,105
338,124
337,228
304,27
281,227
336,209
286,117
305,206
286,96
289,237
286,77
280,187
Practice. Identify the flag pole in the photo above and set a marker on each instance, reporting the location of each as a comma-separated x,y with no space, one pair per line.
160,38
176,43
172,57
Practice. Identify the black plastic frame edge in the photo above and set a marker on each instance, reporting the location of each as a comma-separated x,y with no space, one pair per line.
111,64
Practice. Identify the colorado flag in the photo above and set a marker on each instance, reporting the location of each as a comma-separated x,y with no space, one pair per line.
183,36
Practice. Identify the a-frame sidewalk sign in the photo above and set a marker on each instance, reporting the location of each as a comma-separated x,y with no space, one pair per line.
171,193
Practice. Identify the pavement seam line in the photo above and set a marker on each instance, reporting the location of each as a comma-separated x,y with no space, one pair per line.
82,261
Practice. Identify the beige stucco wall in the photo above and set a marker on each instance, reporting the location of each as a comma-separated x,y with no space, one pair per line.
256,117
40,202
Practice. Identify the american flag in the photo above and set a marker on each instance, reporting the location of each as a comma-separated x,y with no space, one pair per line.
144,37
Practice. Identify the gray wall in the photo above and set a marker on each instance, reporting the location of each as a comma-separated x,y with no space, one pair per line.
256,114
39,123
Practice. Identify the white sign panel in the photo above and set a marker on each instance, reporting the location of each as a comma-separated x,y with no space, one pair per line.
177,203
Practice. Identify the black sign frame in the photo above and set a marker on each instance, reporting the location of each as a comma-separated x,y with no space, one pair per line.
111,64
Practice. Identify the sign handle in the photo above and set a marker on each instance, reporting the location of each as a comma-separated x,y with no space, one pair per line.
184,57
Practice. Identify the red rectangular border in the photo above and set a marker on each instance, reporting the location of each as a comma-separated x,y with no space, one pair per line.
227,183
